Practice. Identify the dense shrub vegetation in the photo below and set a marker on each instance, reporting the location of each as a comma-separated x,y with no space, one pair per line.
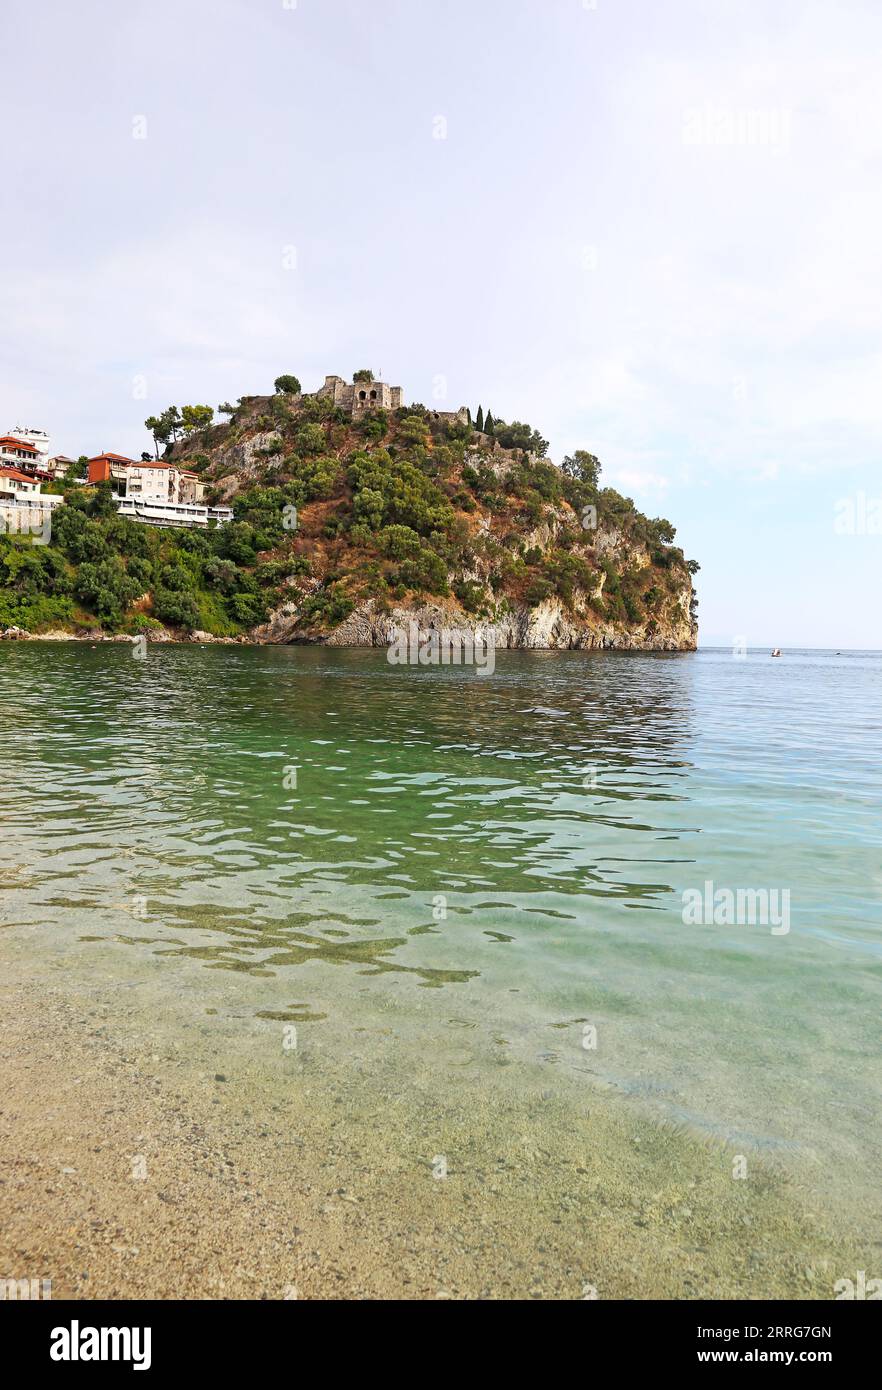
100,565
332,511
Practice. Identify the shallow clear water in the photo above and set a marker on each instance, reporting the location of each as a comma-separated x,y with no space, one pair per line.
503,857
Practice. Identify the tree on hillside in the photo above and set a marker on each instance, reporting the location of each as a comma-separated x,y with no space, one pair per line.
310,440
154,424
172,421
164,427
521,436
364,374
582,466
227,409
196,417
488,423
103,503
662,530
479,420
287,385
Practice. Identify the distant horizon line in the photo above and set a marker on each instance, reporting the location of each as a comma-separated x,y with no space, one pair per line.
793,647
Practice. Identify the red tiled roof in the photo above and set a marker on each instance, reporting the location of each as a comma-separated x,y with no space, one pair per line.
15,475
116,458
19,443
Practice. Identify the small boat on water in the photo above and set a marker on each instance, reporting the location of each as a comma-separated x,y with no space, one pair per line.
776,652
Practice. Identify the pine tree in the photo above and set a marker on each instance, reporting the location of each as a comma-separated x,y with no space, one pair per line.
479,422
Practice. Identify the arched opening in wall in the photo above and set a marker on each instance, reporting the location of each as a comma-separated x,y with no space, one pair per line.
373,395
362,395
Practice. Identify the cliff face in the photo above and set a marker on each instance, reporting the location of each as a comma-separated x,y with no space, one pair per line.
409,516
548,625
512,623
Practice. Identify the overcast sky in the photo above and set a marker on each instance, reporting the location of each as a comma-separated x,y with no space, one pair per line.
652,230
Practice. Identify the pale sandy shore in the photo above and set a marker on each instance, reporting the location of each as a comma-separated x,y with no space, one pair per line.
131,1169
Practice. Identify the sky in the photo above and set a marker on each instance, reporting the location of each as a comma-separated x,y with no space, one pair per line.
650,230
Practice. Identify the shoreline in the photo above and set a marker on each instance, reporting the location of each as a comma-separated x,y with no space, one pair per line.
204,639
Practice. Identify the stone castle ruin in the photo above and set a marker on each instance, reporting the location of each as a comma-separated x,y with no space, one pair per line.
356,398
359,396
362,395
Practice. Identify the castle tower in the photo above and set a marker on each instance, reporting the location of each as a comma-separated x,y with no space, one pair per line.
359,396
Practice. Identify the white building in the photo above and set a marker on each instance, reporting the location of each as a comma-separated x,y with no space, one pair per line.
19,454
162,482
23,510
15,485
159,512
38,439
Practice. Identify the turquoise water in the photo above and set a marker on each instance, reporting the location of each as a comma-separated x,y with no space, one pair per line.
502,858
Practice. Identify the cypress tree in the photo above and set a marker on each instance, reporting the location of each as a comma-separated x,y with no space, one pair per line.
488,423
479,422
